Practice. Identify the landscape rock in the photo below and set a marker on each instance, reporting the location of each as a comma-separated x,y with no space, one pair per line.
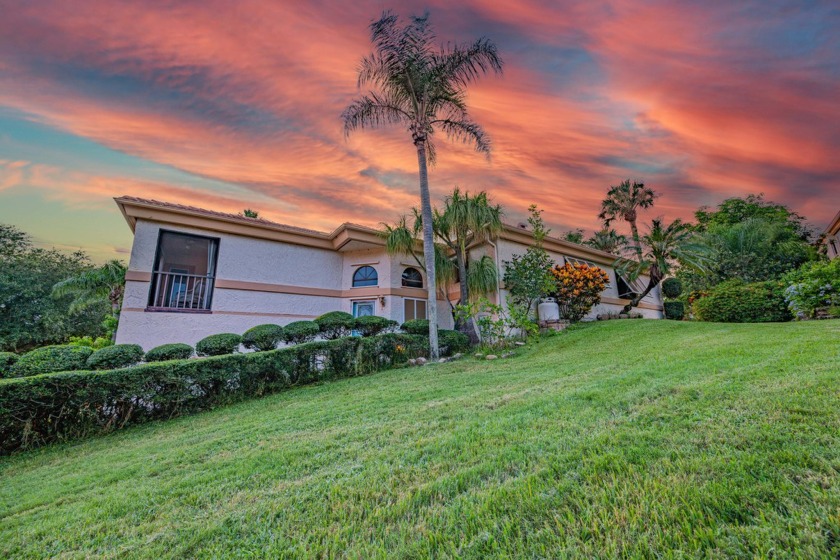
479,355
457,356
491,356
421,361
507,355
519,343
412,362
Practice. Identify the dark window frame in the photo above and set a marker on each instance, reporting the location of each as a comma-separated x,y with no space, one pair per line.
403,279
155,271
375,277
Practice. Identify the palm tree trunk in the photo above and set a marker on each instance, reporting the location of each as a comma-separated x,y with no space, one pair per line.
652,283
428,249
637,242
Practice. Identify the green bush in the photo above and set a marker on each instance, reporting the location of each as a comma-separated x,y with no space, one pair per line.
7,360
51,358
452,342
262,337
300,332
736,302
115,357
671,288
674,310
372,325
174,351
62,406
335,324
813,286
416,326
218,344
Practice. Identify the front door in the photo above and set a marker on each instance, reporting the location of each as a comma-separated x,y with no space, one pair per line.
363,308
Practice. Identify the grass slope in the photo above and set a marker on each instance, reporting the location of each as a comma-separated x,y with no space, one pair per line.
626,438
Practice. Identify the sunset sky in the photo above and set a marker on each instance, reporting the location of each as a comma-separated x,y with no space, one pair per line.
228,105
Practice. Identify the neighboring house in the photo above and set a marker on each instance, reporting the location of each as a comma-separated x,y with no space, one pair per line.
832,237
195,272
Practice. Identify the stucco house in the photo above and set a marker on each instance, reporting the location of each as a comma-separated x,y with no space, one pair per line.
831,237
195,272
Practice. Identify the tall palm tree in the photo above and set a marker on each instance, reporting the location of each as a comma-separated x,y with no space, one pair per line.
607,240
664,248
422,88
92,287
624,201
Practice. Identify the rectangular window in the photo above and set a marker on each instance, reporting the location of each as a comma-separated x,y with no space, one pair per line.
414,309
184,273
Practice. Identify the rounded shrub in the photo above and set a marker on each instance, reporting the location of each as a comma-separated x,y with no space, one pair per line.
174,351
737,302
299,332
262,337
7,360
671,288
116,357
51,358
372,325
452,342
674,310
218,344
335,324
416,326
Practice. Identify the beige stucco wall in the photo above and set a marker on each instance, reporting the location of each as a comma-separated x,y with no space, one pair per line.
263,263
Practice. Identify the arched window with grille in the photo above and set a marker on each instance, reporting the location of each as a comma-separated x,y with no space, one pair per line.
411,278
365,276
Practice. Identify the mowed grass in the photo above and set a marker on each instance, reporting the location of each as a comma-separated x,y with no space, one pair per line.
618,439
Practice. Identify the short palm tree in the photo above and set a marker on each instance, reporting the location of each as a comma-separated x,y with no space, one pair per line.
664,247
624,201
422,88
95,286
607,240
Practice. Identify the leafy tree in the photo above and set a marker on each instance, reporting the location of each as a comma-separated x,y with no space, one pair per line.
422,88
528,277
735,210
29,315
92,287
624,202
573,236
607,240
662,248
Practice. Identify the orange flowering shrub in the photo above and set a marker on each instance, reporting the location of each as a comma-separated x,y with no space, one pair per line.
579,288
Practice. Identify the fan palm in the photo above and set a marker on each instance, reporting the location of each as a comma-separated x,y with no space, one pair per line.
92,287
607,240
422,88
624,201
664,248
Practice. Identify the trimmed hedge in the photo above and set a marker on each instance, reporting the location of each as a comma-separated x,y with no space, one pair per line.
671,288
115,357
300,332
7,360
674,310
416,326
218,344
262,337
63,406
736,302
48,359
372,325
335,324
165,352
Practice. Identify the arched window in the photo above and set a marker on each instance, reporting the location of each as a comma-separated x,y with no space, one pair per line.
411,278
365,276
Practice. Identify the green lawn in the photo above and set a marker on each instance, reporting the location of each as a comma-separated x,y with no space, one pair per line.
625,438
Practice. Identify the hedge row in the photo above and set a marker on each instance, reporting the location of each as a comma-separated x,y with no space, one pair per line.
63,406
737,302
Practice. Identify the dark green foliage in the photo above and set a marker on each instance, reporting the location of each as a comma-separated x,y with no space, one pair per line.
300,332
29,315
674,310
218,344
372,325
164,352
736,302
671,288
453,342
262,337
52,358
416,326
115,357
335,324
7,360
62,406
